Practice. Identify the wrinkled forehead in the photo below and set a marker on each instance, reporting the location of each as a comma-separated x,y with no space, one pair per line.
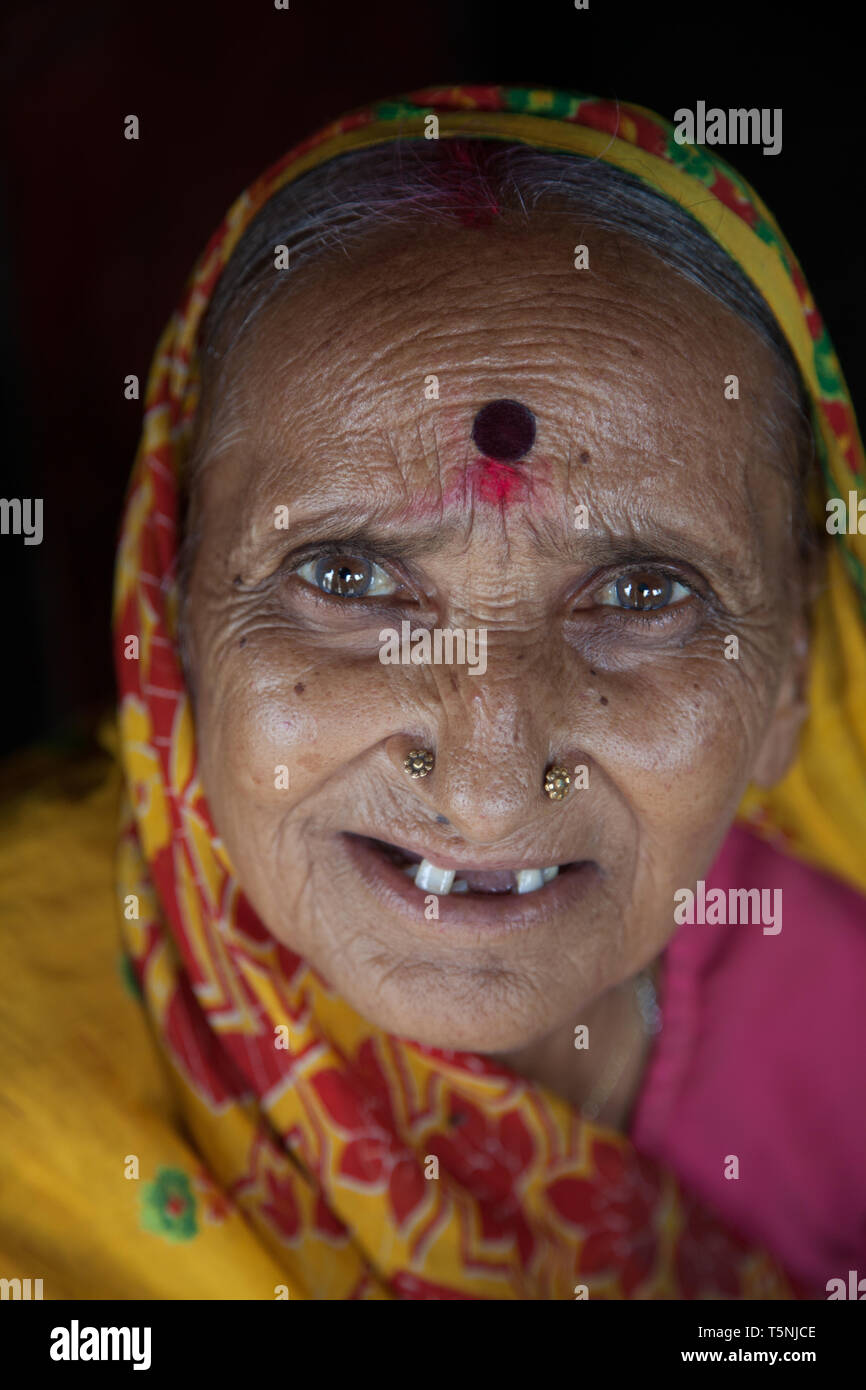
368,370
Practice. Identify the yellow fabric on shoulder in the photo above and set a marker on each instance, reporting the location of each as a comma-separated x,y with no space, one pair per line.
82,1090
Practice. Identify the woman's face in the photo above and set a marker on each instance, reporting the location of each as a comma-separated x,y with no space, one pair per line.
329,410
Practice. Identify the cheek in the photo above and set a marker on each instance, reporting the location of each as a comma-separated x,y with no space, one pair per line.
276,723
679,745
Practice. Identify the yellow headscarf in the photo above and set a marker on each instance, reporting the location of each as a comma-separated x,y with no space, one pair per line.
329,1143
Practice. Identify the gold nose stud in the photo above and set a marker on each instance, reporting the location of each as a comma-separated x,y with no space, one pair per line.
418,763
556,783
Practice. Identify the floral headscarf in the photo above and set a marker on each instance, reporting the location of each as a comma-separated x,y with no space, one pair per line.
370,1166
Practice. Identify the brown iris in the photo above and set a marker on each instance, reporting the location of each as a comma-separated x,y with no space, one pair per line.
347,575
644,589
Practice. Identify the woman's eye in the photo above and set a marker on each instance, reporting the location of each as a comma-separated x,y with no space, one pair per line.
640,591
346,576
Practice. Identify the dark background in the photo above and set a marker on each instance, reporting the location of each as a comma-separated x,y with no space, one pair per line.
97,233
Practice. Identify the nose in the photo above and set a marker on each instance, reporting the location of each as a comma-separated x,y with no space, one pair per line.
491,749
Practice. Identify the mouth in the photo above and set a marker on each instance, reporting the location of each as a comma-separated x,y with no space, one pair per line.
430,877
504,897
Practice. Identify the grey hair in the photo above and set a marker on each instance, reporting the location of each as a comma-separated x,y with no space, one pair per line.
362,194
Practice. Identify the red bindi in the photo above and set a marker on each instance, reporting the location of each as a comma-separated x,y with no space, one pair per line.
498,482
504,430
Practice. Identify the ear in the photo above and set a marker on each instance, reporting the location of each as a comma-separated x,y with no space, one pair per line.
778,751
779,747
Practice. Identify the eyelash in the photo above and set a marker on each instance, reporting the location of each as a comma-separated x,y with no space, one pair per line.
663,613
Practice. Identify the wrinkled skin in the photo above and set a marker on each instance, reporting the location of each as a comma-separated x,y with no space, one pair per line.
624,368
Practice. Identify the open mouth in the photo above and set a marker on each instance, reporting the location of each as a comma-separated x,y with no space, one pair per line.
429,877
469,903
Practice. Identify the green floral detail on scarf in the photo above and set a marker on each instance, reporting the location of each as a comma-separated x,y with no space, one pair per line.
129,977
536,102
693,160
827,368
168,1206
768,235
698,163
398,110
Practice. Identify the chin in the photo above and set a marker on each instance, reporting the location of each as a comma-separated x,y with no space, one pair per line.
485,1010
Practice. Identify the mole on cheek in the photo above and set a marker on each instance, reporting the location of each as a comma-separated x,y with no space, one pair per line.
300,688
603,700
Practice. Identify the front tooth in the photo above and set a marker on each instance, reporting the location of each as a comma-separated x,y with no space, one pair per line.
548,874
432,880
528,880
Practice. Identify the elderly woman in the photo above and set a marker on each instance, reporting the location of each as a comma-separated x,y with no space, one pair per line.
492,866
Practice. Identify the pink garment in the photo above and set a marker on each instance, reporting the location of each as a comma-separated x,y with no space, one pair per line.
762,1055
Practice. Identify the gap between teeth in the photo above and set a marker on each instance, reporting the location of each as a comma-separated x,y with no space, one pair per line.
431,879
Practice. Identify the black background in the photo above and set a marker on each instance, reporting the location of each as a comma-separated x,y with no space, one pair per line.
97,233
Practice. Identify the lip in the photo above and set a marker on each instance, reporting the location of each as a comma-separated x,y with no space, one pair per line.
474,917
448,861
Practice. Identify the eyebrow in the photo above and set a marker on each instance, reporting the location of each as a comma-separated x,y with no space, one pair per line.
391,536
658,543
386,533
